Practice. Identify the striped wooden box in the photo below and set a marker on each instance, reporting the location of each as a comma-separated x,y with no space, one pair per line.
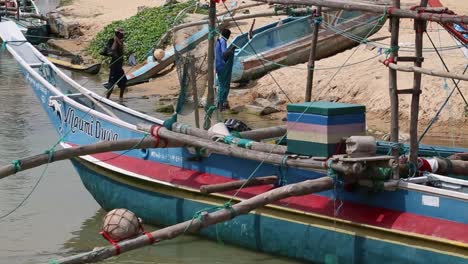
317,128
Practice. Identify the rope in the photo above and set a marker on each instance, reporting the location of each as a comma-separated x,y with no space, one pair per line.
16,165
208,113
435,118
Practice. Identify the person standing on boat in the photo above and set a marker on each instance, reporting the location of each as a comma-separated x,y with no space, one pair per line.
117,74
223,62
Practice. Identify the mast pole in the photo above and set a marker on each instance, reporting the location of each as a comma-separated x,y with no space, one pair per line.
394,104
211,58
312,55
420,27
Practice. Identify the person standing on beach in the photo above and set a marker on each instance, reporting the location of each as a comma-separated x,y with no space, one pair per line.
223,69
117,74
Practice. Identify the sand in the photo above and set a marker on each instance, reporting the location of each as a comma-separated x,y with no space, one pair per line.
364,83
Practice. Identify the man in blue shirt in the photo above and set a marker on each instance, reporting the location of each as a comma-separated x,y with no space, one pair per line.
223,73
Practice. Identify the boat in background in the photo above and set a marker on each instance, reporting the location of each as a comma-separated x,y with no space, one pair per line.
69,65
151,67
287,42
26,18
416,223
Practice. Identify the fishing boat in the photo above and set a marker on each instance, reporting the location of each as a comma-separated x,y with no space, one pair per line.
65,64
26,18
282,43
410,223
287,42
152,67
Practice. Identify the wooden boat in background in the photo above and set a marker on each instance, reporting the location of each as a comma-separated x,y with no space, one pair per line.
91,69
151,68
287,42
413,224
26,18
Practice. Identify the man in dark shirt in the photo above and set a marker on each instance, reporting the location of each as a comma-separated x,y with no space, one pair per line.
117,74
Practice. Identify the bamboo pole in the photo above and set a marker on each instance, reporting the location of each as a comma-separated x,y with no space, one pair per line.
200,133
211,55
234,185
312,55
206,219
393,86
452,167
397,67
379,9
72,152
242,17
239,8
193,80
420,27
233,151
265,133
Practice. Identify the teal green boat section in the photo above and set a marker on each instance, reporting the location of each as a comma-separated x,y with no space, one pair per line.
256,231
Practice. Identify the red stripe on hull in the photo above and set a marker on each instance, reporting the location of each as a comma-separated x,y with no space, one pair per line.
317,204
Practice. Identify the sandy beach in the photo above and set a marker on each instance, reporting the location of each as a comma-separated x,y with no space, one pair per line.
364,83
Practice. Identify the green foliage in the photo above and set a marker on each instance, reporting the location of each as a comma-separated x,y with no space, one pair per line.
142,31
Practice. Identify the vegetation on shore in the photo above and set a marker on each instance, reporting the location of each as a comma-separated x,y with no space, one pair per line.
143,30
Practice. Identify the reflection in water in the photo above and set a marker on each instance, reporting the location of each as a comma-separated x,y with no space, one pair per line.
184,249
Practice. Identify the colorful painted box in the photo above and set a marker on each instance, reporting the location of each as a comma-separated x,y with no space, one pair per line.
317,128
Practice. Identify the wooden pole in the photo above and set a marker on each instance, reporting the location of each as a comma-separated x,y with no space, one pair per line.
234,185
452,167
393,86
264,133
420,27
442,74
68,153
312,55
206,219
211,55
372,8
200,133
234,151
243,17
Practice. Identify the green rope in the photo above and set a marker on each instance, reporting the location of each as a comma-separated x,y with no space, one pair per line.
209,110
228,139
170,121
236,134
244,143
53,261
212,33
318,20
16,165
391,50
51,153
3,47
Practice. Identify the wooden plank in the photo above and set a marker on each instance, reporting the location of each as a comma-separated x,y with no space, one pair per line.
441,74
379,9
234,185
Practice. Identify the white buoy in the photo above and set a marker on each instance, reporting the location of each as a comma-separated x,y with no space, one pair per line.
159,54
120,224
